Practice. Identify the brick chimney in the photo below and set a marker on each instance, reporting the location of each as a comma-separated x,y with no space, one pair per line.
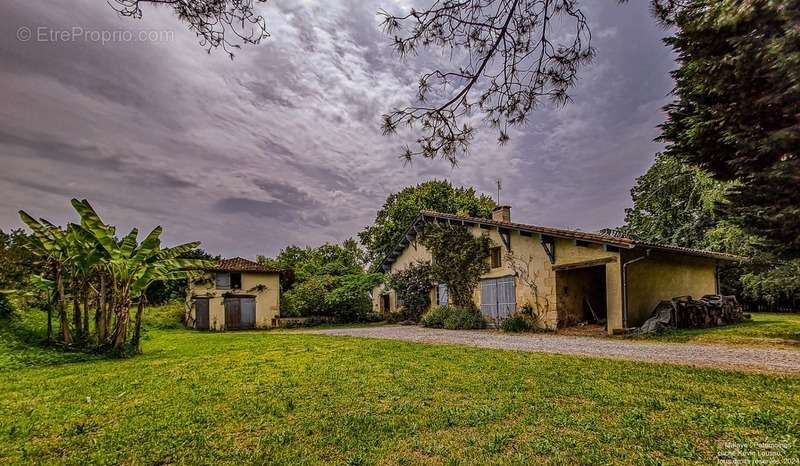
502,213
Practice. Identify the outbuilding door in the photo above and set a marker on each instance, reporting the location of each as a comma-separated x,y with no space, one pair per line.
498,298
233,313
248,306
240,312
201,313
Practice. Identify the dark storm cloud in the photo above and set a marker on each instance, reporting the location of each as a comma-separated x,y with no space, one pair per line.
46,148
287,194
268,209
288,133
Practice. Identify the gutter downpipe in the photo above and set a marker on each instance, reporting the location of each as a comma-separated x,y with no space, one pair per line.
625,287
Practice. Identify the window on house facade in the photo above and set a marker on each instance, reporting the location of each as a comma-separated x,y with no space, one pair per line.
222,280
236,280
228,280
494,255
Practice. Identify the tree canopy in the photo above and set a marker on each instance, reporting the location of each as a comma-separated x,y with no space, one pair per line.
328,280
735,114
401,208
673,203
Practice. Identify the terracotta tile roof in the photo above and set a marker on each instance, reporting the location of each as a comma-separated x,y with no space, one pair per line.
557,232
238,264
611,240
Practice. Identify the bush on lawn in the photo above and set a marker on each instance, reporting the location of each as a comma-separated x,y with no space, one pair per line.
453,318
516,323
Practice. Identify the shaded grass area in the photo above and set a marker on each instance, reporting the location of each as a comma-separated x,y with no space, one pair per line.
764,329
23,337
23,343
284,398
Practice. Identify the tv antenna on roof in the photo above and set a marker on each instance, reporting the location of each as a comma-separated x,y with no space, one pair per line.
499,187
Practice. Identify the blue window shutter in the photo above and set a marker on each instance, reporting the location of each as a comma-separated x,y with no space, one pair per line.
443,297
223,280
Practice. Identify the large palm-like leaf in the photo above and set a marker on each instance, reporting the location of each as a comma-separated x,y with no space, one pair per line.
44,242
174,252
103,234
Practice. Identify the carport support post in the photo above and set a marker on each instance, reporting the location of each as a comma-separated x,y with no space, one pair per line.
625,287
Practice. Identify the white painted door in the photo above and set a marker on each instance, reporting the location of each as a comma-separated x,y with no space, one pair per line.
498,298
506,297
489,298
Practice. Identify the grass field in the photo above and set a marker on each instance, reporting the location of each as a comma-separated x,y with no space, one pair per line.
764,329
290,398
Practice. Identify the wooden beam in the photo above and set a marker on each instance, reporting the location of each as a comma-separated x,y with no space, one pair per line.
505,236
584,264
549,246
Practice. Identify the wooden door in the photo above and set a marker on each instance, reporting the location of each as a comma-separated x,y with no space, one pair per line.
233,313
248,306
201,313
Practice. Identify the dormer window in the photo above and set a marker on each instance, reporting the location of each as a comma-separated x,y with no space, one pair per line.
228,280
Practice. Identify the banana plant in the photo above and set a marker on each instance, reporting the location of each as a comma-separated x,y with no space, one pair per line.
133,266
49,242
87,264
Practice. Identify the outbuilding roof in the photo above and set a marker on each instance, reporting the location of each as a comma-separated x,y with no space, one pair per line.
238,264
599,238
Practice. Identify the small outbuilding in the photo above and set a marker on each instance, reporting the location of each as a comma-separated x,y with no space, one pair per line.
236,294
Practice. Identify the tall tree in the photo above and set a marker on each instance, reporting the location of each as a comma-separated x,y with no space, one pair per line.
401,208
737,106
50,244
673,203
511,55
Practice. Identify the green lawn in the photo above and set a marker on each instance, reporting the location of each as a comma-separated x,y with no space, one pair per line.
765,329
280,397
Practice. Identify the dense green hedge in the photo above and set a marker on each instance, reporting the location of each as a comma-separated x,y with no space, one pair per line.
453,318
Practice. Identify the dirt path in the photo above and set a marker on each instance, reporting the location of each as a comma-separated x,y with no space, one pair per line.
725,357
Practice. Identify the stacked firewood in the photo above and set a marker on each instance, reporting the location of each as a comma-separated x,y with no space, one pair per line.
708,311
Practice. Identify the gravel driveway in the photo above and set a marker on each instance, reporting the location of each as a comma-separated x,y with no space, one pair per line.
727,357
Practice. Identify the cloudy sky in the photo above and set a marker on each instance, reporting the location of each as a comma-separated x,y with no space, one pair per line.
282,145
